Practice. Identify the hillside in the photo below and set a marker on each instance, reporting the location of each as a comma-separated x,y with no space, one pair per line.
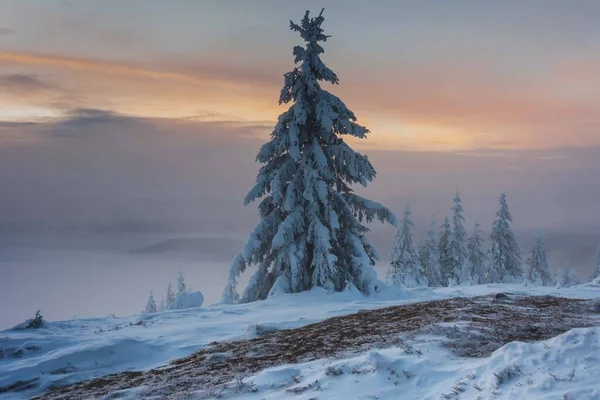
279,345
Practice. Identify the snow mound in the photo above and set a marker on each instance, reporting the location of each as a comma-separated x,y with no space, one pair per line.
566,366
262,329
594,282
276,378
67,363
187,300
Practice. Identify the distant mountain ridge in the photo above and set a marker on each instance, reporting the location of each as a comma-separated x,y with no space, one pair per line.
222,248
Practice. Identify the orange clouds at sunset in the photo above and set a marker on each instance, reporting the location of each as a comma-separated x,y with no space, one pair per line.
430,111
430,101
135,91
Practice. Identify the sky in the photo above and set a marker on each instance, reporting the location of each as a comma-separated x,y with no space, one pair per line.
143,118
428,75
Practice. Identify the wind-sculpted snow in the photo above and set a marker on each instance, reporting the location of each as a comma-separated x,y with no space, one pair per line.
565,367
468,327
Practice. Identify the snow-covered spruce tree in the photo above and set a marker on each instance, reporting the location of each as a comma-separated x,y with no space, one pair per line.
311,231
566,276
474,271
405,268
504,256
458,250
162,305
537,272
445,251
429,257
596,272
36,322
181,284
150,305
170,296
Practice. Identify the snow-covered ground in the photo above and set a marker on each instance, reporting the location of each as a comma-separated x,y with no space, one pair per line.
567,365
75,350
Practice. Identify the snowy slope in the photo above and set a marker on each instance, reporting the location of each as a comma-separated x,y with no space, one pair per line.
81,349
566,365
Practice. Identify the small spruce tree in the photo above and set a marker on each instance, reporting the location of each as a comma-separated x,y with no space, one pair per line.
170,296
36,322
474,271
311,232
444,251
504,256
150,305
458,251
430,258
405,269
537,272
181,288
566,276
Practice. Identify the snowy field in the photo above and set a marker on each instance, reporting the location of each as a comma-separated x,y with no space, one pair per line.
70,351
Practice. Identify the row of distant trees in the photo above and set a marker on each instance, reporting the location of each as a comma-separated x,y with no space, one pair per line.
455,258
167,303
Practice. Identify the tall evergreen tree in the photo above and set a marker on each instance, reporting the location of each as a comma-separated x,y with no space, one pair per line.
429,257
596,272
458,251
405,269
181,284
444,251
474,272
311,231
538,272
150,305
504,256
170,296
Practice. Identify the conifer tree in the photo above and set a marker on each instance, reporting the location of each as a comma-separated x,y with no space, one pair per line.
504,256
180,284
162,306
474,272
311,231
405,269
458,251
170,296
444,251
596,272
430,257
150,305
36,322
537,272
566,277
